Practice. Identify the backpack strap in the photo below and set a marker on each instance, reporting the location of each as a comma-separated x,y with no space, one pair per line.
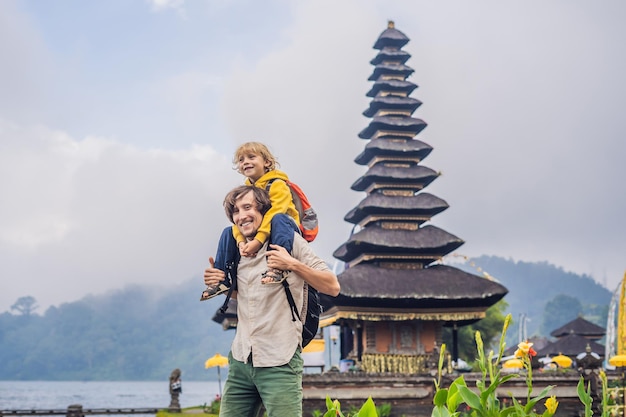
292,303
231,271
269,184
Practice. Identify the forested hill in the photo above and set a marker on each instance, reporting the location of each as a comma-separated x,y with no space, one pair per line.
137,333
539,289
143,332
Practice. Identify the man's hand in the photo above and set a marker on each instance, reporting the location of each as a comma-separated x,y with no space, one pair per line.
250,248
322,280
279,258
212,275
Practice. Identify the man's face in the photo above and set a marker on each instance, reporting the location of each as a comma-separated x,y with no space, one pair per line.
246,215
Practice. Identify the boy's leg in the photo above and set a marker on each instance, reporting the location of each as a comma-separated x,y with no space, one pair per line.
227,250
281,234
226,255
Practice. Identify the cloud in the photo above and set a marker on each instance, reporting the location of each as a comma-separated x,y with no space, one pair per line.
161,5
102,185
25,71
523,113
83,216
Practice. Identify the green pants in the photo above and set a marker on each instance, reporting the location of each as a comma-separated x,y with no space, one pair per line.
279,388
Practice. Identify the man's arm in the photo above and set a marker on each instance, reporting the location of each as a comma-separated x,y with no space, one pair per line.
323,281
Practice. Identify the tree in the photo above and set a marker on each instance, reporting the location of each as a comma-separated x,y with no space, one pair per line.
560,310
489,327
25,305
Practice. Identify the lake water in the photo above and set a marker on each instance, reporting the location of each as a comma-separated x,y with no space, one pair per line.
28,395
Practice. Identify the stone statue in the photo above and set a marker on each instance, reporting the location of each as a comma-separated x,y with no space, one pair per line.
176,388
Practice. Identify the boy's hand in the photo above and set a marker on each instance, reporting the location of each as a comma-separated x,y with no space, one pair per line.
212,275
250,248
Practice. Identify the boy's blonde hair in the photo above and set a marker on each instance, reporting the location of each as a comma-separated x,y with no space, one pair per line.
256,148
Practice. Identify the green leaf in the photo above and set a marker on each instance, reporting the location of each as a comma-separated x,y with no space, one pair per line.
470,398
519,410
334,408
585,396
441,396
460,382
544,393
368,409
454,399
486,393
582,392
439,411
505,412
329,403
506,378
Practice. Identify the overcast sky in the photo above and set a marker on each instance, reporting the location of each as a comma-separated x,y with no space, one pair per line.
118,120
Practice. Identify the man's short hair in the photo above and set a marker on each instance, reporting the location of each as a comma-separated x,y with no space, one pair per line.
261,197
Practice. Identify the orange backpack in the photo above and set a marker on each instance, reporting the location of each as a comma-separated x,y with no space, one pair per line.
308,217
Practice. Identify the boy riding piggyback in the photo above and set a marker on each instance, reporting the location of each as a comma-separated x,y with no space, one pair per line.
258,165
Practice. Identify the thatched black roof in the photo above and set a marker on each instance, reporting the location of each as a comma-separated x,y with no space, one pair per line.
398,124
435,286
581,327
391,54
422,204
401,147
393,69
570,345
391,85
429,241
392,103
391,37
417,175
228,319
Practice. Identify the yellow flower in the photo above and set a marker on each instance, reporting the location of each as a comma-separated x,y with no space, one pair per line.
525,347
551,404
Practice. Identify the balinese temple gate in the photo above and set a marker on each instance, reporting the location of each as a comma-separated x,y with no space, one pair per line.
396,297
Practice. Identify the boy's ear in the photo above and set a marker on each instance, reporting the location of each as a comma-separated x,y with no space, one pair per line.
267,164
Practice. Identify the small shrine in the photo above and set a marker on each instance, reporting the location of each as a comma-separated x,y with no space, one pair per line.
574,339
396,296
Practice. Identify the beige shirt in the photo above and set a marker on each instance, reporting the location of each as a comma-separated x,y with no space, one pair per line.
264,324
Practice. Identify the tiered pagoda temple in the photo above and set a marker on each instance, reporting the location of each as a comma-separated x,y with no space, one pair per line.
396,297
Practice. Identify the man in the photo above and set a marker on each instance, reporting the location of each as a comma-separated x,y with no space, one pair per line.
265,364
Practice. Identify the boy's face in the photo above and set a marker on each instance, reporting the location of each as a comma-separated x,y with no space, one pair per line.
253,165
246,215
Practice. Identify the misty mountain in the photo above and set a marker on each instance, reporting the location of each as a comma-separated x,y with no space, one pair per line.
532,285
144,332
136,333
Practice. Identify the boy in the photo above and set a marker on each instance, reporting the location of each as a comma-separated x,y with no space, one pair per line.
258,165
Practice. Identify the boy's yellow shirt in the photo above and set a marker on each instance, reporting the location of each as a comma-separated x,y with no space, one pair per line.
281,199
